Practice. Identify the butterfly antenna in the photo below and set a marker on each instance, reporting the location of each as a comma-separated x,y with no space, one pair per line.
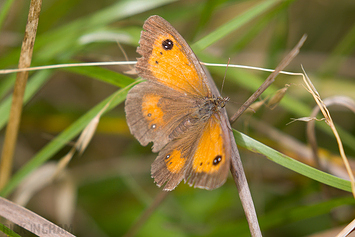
225,74
122,50
131,69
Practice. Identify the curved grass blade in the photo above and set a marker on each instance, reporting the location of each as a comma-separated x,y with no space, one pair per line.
287,162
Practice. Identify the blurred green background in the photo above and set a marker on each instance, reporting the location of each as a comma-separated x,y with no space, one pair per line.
109,186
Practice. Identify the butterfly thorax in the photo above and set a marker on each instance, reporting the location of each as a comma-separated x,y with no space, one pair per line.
203,110
210,106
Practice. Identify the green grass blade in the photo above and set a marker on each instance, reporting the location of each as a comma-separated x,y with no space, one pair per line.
5,7
103,74
37,81
8,231
6,84
62,139
234,24
260,24
344,48
287,162
283,216
280,217
59,40
33,86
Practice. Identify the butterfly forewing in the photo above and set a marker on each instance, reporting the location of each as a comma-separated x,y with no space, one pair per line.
167,59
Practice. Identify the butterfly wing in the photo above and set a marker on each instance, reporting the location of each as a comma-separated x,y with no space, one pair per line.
211,160
157,113
169,60
165,110
201,157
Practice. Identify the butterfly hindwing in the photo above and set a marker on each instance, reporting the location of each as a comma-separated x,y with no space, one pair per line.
173,161
201,157
211,158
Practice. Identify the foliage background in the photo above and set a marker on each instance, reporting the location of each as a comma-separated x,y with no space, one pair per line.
110,183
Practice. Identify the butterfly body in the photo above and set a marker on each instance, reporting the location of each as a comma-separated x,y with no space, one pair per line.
180,110
210,106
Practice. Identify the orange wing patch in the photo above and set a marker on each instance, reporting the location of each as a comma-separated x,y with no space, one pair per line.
210,154
174,162
171,66
151,111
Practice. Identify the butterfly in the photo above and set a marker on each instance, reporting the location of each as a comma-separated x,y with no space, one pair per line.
180,110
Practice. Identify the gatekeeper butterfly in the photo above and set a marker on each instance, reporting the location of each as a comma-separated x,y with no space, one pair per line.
180,110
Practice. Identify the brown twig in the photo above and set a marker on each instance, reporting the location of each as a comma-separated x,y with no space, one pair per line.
19,90
236,164
28,220
244,192
271,78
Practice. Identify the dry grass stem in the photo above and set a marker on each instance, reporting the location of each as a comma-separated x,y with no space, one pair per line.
305,119
347,230
28,220
311,136
89,130
65,65
330,122
36,181
19,91
83,140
